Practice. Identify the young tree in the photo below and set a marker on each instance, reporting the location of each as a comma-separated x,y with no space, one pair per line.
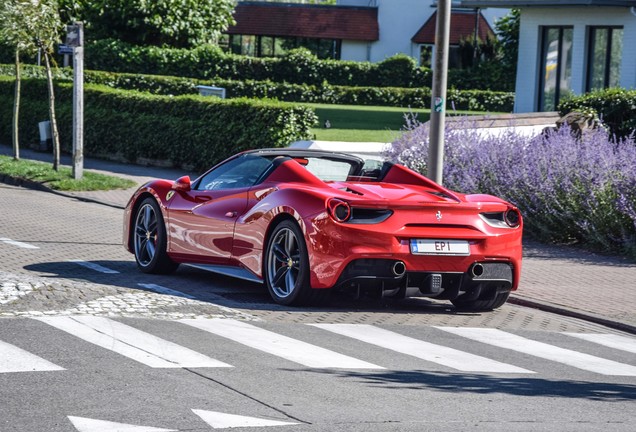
29,26
507,28
11,21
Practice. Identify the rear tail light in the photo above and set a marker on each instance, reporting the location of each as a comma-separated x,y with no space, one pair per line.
512,218
339,210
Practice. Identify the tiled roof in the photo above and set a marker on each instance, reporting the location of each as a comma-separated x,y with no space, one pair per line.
462,26
301,20
545,3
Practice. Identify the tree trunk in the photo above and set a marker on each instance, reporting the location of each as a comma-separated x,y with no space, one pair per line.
54,132
16,108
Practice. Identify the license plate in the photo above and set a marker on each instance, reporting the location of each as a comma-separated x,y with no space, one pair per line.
440,247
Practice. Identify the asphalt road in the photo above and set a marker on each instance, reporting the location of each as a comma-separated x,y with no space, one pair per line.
87,343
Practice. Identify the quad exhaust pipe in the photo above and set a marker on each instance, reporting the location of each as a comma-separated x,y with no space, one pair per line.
398,268
477,270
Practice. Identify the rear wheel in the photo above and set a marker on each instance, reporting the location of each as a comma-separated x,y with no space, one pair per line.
150,240
481,304
287,266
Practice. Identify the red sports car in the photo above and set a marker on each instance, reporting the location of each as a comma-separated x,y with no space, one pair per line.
306,221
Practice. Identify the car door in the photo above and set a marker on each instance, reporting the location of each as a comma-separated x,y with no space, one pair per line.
201,221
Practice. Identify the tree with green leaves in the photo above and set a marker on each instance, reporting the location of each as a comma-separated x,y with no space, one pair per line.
29,26
174,23
507,29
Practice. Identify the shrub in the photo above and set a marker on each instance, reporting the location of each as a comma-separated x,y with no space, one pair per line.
569,189
476,100
298,66
191,131
615,107
7,54
397,71
491,75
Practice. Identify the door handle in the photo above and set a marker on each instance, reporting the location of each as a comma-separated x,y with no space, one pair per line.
202,198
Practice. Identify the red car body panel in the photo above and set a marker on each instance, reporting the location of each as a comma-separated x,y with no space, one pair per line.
230,227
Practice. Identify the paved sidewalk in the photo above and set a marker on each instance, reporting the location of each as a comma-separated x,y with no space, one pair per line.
560,279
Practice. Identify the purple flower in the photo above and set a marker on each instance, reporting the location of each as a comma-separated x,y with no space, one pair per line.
568,188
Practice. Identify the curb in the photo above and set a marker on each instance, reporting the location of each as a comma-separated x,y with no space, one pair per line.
17,181
30,184
561,310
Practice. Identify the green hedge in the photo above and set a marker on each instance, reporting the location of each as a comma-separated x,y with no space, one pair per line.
188,131
7,55
297,67
475,100
615,107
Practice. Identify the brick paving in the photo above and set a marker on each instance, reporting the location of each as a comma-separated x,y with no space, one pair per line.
561,279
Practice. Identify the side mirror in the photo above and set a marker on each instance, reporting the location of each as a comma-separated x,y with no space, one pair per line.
182,184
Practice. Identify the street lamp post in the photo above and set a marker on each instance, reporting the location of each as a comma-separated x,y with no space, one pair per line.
75,40
438,96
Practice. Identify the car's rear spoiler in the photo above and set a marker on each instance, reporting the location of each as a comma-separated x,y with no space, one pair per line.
402,175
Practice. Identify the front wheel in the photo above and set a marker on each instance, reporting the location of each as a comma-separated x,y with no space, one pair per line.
150,240
287,265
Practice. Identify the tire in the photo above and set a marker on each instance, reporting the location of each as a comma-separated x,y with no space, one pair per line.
150,239
481,304
286,267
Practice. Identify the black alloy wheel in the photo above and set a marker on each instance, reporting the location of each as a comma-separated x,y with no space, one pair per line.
150,241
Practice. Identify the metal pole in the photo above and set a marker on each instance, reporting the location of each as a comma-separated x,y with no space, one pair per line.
438,96
78,107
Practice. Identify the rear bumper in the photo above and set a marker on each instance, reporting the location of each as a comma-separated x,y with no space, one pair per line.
391,277
343,254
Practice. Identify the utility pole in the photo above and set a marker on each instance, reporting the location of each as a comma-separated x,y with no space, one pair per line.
75,39
438,96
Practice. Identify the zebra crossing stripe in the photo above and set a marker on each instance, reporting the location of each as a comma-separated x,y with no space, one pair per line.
18,244
520,344
93,266
132,343
442,355
163,290
278,345
219,420
83,424
14,359
609,340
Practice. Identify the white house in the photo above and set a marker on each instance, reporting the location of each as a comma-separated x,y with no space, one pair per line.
570,47
359,30
401,24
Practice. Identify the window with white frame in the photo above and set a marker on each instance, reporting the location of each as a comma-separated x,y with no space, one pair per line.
605,46
556,66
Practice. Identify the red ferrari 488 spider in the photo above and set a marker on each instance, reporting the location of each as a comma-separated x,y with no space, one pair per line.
305,221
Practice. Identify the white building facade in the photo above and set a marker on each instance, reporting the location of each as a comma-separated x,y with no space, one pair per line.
398,22
571,47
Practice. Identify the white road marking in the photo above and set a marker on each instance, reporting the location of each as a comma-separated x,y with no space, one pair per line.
83,424
132,343
513,342
18,244
220,420
14,359
93,266
609,340
439,354
163,290
278,345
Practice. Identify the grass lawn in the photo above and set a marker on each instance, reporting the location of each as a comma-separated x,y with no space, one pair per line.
364,123
61,180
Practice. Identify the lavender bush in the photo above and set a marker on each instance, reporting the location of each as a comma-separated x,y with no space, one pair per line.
569,188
